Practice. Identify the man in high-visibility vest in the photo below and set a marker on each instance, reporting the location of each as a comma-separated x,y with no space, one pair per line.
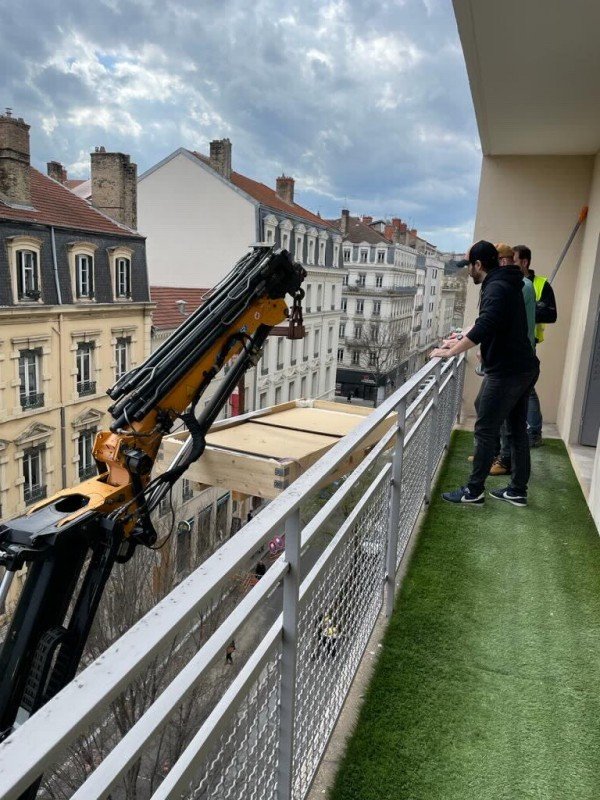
545,313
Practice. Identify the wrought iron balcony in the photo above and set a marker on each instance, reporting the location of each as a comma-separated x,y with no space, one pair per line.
32,400
86,387
87,472
32,494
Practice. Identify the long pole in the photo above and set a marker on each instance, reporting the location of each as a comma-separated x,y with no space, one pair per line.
582,217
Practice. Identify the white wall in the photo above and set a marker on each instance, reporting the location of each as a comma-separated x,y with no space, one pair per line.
197,225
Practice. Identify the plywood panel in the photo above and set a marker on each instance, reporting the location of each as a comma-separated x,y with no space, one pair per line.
315,420
269,442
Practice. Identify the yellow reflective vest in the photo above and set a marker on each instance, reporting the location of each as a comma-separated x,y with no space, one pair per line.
538,286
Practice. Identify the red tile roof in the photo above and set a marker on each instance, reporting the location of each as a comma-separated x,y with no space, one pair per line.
54,204
267,196
71,183
166,315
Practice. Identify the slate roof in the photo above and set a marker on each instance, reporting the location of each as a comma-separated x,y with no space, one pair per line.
56,205
359,232
166,315
267,196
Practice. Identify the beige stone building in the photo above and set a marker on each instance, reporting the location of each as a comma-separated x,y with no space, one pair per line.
75,313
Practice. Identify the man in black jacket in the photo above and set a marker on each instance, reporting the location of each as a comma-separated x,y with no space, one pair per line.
511,370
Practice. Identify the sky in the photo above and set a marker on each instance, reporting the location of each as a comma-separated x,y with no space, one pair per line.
364,102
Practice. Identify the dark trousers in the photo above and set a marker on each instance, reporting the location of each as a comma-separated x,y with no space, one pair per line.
502,398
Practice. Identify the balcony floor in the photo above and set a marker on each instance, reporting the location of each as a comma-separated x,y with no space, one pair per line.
487,683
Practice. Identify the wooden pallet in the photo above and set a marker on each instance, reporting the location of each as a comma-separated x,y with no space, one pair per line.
262,453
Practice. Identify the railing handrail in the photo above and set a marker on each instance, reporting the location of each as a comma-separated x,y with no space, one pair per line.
39,742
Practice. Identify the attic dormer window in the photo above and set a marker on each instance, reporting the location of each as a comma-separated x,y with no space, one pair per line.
28,275
84,266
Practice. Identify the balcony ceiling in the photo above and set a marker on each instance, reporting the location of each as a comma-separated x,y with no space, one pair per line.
534,70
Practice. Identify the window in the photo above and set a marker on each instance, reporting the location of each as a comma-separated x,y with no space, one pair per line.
343,304
123,277
336,254
303,387
372,359
85,384
277,395
319,297
342,331
315,384
317,342
347,254
380,256
379,280
204,527
264,363
164,507
29,379
285,240
311,251
328,377
358,329
280,342
360,306
184,544
305,349
363,256
298,253
376,308
269,236
362,279
345,280
340,356
84,276
307,298
262,403
27,275
333,298
34,488
330,340
122,359
222,516
355,357
292,390
187,490
87,465
321,252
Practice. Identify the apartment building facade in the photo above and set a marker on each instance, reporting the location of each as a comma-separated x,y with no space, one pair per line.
201,216
377,310
74,315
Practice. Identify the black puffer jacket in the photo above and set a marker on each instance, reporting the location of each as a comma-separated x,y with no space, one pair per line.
501,327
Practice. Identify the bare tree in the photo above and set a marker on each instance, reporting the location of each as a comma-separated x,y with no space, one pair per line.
381,348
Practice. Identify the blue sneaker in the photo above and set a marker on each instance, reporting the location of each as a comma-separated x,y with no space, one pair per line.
511,496
464,496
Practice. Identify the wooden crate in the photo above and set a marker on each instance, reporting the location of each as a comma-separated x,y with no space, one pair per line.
262,453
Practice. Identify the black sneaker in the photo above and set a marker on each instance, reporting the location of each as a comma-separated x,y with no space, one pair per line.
464,496
511,496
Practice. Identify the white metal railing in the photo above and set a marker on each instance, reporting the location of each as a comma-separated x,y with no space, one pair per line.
266,734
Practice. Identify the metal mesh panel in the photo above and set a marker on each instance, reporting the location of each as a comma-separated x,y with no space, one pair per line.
445,418
414,475
243,766
335,622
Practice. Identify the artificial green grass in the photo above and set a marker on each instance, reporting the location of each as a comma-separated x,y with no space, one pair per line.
488,683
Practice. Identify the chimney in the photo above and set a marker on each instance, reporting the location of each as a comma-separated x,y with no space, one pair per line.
367,220
285,189
181,306
220,157
396,222
114,186
345,221
56,171
15,178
